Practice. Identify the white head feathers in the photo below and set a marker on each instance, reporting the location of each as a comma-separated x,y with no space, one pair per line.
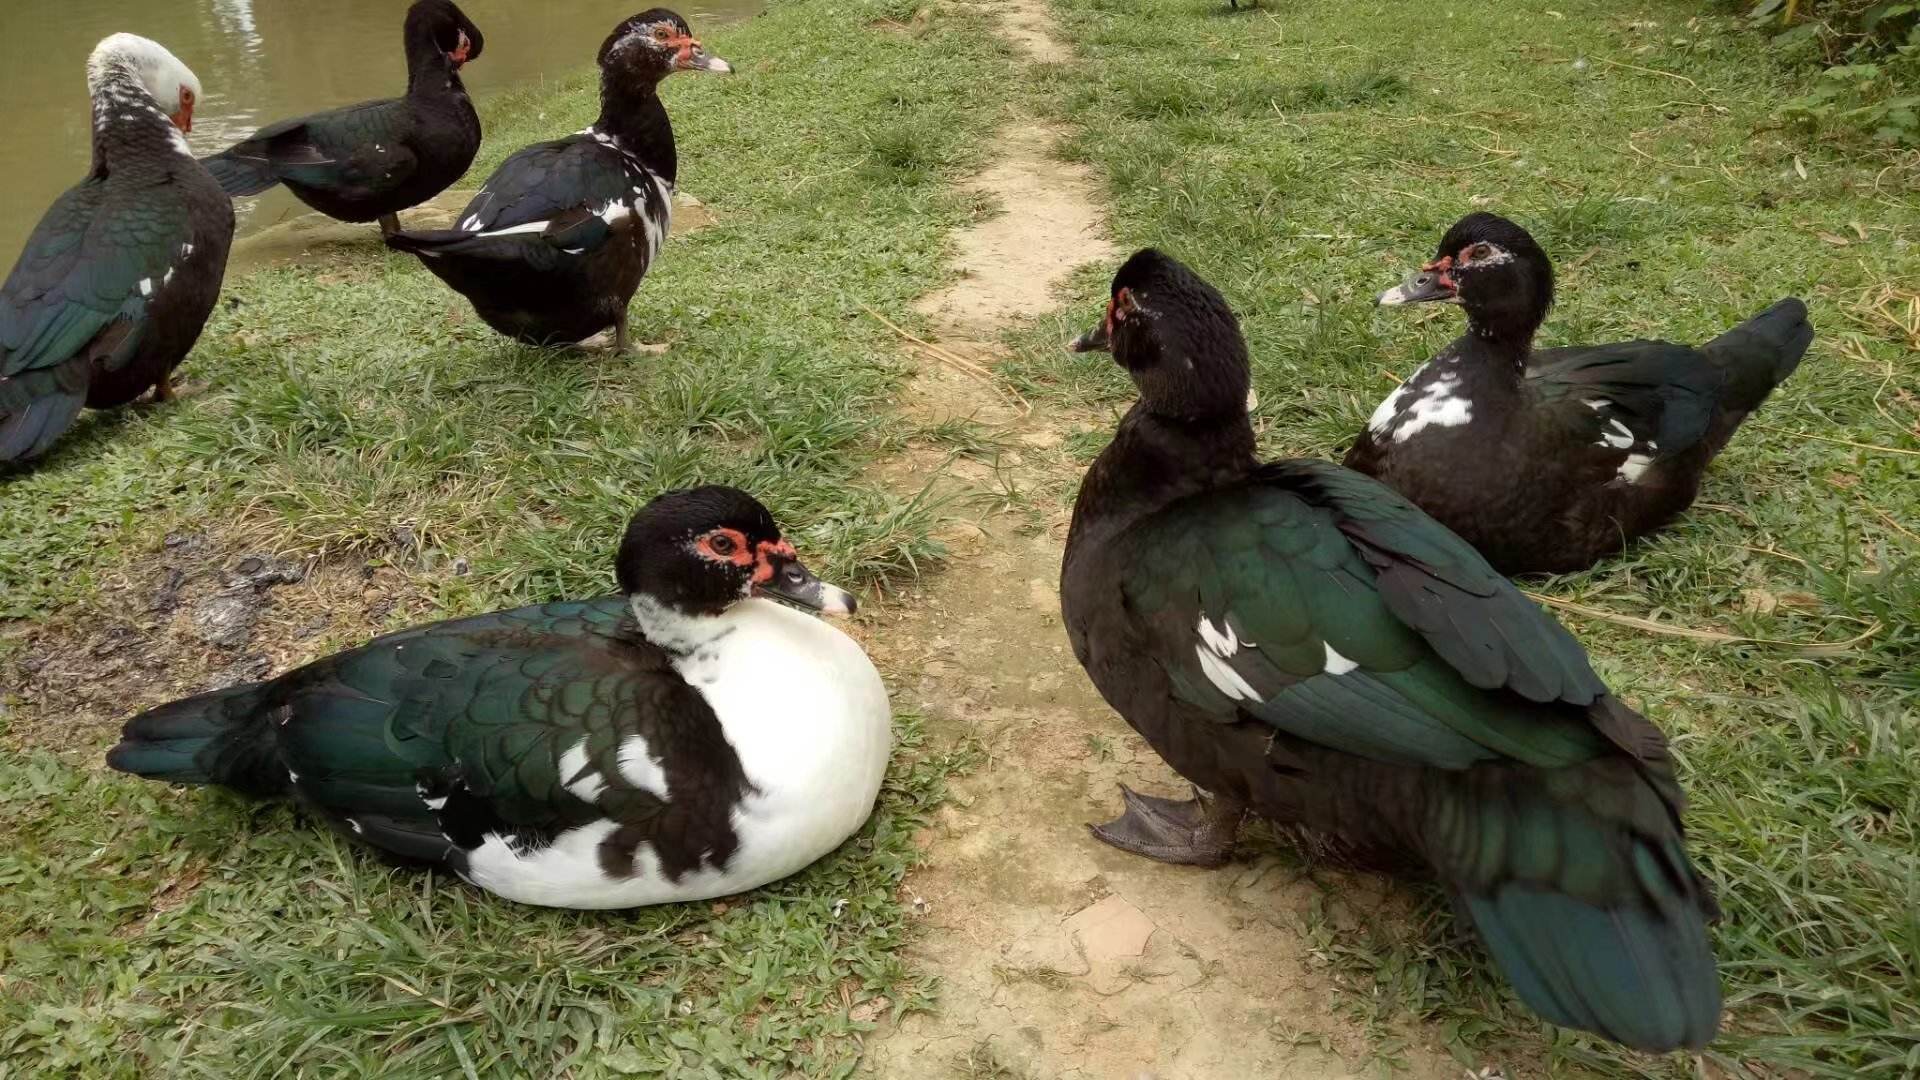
158,71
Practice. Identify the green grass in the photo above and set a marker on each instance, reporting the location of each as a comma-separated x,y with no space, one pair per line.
351,396
1303,156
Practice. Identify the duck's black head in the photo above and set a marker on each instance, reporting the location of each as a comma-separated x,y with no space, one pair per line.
440,26
1494,270
698,551
1176,336
652,45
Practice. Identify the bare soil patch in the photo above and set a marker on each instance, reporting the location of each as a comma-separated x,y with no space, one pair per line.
200,613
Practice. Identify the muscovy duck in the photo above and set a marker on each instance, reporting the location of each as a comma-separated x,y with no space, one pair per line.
682,740
1300,641
370,161
1548,461
116,282
553,247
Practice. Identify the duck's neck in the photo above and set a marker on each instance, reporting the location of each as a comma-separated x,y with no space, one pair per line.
429,71
1154,460
676,631
1508,335
633,117
129,127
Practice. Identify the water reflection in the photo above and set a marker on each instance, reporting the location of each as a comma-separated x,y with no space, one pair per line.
257,62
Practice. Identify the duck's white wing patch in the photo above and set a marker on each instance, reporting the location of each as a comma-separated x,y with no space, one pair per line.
1631,469
1615,435
1337,664
578,774
637,767
1217,645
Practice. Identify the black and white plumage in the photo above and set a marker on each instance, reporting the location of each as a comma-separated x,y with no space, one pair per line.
370,161
114,285
685,739
554,246
1548,461
1303,643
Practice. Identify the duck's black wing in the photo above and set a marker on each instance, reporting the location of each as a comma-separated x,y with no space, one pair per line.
355,153
1634,403
512,727
77,300
552,201
1322,604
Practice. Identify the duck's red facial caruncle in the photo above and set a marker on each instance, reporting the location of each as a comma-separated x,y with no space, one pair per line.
462,49
771,555
725,546
1120,308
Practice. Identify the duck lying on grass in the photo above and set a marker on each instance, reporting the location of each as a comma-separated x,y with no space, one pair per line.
685,739
1549,461
116,282
554,246
1300,641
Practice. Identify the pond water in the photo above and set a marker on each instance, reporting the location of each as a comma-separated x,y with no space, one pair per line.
259,61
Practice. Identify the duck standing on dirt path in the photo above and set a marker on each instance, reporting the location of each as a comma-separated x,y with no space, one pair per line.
1300,641
553,248
1548,461
684,739
370,161
116,282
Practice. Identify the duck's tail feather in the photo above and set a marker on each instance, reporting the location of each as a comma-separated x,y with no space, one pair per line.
1642,975
240,175
1757,356
1578,880
36,408
225,737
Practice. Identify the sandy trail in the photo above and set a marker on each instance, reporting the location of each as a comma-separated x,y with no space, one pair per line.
1060,957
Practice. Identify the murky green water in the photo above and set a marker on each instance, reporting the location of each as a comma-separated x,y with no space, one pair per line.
258,61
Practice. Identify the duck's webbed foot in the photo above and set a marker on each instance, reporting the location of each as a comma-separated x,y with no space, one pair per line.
1195,832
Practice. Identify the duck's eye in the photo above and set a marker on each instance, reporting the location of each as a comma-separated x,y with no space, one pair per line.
660,33
1477,252
721,543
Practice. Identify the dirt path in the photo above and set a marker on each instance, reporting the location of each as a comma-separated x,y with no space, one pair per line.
1062,958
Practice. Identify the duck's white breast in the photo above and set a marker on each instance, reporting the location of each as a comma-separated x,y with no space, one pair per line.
808,716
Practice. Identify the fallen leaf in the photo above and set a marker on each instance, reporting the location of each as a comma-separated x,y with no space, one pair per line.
1835,239
1799,166
1858,229
1757,602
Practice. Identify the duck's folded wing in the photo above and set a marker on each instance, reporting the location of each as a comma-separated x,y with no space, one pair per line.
1327,606
97,257
570,192
518,725
356,150
1651,399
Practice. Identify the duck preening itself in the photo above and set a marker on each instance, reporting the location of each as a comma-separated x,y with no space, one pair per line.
116,282
687,738
1303,643
370,161
1548,461
554,246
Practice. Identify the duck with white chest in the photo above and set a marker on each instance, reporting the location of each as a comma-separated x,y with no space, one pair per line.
689,737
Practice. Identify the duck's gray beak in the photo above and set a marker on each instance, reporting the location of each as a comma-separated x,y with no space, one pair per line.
1420,287
1094,340
796,585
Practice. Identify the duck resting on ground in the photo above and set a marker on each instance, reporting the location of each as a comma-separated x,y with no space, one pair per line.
116,282
370,161
1303,643
1548,461
554,246
684,739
